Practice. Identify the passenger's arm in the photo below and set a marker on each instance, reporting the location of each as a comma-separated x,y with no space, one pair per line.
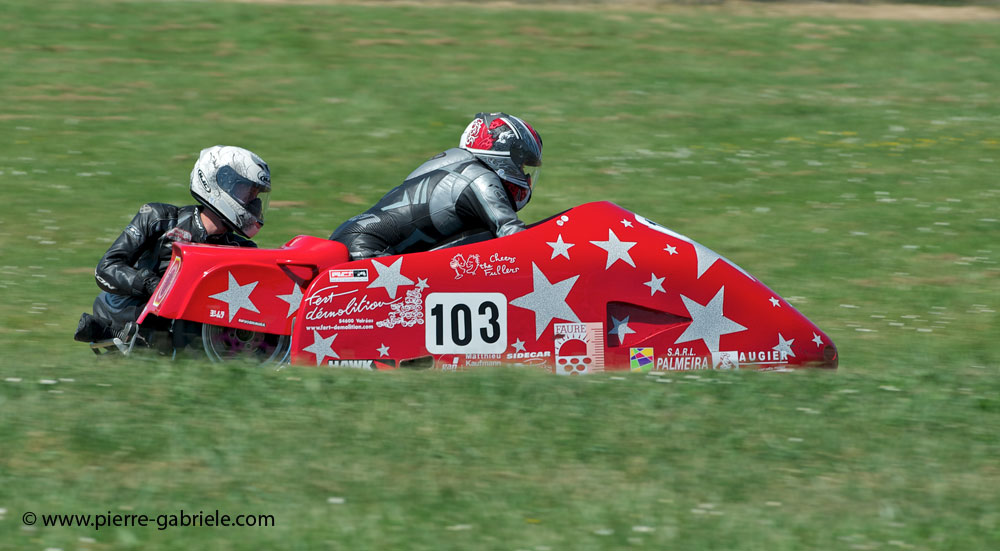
484,199
115,272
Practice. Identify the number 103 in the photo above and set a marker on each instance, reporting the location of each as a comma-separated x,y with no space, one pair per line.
466,323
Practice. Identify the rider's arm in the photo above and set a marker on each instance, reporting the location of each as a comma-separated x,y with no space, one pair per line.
484,199
115,271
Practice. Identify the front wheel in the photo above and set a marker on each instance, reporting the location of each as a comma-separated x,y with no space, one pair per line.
225,344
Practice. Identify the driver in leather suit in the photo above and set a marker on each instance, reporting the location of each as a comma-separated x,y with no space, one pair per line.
478,186
232,186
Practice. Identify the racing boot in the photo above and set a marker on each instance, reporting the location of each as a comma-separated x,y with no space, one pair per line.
91,329
128,333
127,337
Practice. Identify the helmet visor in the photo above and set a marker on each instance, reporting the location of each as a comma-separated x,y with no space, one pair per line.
257,206
252,196
531,174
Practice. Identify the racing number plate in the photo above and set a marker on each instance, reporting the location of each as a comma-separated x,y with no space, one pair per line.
465,323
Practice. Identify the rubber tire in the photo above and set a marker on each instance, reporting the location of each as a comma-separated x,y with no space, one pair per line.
226,344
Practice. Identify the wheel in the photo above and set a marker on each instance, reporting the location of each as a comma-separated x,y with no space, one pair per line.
223,344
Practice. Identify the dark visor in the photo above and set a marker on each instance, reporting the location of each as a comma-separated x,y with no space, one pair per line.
238,187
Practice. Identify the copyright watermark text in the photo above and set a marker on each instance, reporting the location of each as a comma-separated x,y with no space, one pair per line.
181,519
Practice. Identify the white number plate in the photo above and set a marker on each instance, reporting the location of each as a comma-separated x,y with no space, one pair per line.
466,323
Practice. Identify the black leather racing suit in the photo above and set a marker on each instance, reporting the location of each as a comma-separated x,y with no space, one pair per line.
451,194
142,250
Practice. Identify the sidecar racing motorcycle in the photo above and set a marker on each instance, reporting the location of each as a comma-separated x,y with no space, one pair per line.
595,288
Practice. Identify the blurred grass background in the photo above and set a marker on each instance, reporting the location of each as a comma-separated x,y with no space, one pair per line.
848,159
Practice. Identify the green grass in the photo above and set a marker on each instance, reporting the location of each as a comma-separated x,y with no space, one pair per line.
850,165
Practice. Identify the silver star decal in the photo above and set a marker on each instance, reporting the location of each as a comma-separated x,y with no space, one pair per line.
389,277
784,347
616,249
559,247
818,340
518,345
421,283
383,350
547,300
670,249
707,322
293,299
321,347
706,256
655,284
620,328
237,296
774,301
626,223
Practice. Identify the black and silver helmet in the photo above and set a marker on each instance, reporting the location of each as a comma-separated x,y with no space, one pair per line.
510,147
235,184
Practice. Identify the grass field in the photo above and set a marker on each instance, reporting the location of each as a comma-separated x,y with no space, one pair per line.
850,164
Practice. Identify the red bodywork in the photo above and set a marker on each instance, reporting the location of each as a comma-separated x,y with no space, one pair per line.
595,288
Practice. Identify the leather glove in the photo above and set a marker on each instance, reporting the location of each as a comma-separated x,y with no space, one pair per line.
145,284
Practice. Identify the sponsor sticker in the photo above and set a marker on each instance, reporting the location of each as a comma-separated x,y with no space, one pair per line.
527,355
326,304
682,359
407,313
353,364
541,360
473,264
641,359
734,359
348,275
686,359
579,348
726,360
466,361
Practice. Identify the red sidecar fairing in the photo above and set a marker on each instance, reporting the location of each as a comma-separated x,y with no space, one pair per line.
594,288
245,288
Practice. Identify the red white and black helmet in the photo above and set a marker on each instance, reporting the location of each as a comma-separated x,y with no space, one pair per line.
510,147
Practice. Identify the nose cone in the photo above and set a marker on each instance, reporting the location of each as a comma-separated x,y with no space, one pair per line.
800,342
830,357
730,315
